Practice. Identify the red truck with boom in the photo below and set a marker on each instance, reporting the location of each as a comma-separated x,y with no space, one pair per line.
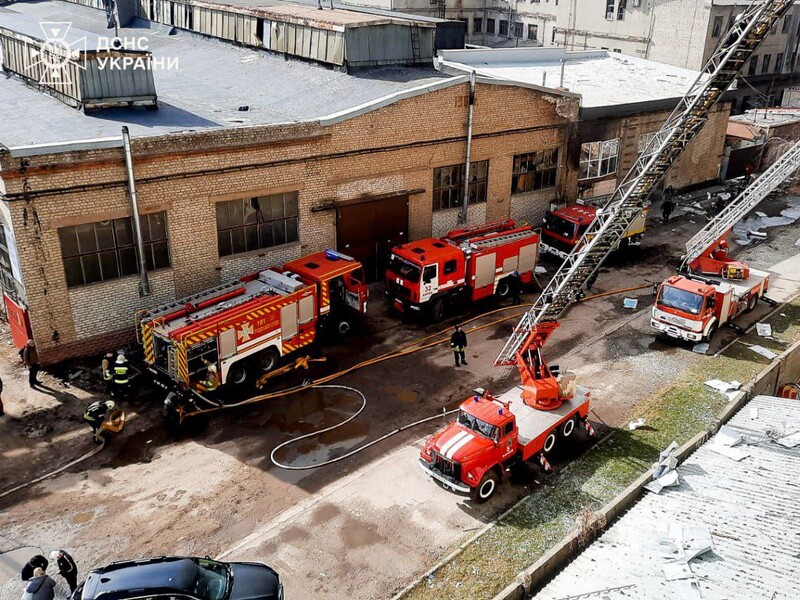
473,263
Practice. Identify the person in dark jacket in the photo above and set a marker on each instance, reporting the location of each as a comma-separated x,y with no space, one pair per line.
30,566
1,397
458,342
41,586
30,357
515,288
66,567
95,415
667,206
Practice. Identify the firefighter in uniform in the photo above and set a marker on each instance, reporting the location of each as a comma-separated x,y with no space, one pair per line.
95,415
121,378
105,367
211,382
458,342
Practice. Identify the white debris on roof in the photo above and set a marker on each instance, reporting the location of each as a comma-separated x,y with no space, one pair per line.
750,508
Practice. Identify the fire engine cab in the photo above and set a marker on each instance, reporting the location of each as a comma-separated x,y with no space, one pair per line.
472,263
564,228
230,334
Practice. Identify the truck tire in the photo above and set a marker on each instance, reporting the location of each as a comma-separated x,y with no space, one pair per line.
711,331
567,428
503,288
268,360
751,303
550,442
437,310
238,374
486,488
343,327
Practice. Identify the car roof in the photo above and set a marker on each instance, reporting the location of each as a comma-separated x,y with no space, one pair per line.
132,579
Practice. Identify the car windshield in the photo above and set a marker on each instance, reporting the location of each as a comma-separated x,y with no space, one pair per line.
475,424
211,580
680,300
407,270
559,226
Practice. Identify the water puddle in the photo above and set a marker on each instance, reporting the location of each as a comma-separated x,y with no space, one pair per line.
759,221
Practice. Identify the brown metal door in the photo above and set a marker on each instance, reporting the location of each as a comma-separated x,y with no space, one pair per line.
368,230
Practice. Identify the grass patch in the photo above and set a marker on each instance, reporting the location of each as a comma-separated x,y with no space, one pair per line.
674,413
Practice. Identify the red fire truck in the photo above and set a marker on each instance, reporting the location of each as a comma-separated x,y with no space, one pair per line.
471,263
230,334
564,228
491,435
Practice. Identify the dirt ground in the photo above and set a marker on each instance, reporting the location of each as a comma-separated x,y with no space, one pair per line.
361,528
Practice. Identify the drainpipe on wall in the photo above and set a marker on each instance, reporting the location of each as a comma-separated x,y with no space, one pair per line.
144,284
462,216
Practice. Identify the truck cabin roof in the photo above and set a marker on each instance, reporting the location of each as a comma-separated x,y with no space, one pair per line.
689,285
323,265
427,251
577,214
488,410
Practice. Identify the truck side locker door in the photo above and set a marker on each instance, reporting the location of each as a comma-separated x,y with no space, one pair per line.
356,290
724,310
289,321
508,440
484,271
227,343
430,282
528,255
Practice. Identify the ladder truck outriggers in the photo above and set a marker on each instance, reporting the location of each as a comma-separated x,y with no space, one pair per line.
712,288
229,335
491,434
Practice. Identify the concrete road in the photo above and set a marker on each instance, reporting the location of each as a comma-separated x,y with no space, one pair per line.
361,528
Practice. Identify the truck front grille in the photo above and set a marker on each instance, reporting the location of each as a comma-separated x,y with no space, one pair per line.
446,466
399,289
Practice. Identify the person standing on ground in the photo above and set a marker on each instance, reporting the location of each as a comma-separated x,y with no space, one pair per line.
121,377
515,288
40,587
669,193
106,370
458,342
29,567
31,359
66,567
1,397
667,206
95,415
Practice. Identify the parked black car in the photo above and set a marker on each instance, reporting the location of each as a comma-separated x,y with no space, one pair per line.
181,578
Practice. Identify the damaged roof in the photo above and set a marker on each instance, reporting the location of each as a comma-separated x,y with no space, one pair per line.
750,507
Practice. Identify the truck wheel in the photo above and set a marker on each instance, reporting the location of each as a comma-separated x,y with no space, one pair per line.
437,310
711,331
486,488
549,442
503,289
237,374
343,327
568,428
751,303
268,360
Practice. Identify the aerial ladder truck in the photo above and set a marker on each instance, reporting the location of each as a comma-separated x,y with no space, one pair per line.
492,434
713,288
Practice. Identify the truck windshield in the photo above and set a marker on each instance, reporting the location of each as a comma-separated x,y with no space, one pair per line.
403,268
559,226
680,300
475,424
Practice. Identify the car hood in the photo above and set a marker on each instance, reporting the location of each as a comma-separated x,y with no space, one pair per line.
457,443
254,581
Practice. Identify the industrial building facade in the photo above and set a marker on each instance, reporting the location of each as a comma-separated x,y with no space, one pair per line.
216,205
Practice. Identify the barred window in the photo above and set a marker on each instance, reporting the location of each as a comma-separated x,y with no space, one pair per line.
107,249
448,185
257,223
534,171
599,159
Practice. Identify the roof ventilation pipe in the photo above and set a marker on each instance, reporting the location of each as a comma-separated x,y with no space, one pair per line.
144,284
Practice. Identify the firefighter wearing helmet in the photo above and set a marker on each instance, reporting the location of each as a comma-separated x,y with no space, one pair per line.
95,414
121,381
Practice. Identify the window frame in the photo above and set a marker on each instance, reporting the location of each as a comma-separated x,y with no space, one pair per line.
251,235
533,27
500,30
621,8
716,26
477,25
519,29
119,249
450,267
787,20
765,63
595,169
779,59
490,23
610,10
478,187
535,171
753,65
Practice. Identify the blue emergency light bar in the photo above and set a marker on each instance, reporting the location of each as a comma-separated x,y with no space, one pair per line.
334,255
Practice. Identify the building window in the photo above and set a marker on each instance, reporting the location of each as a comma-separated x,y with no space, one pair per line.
451,266
533,32
787,20
645,139
792,61
489,25
256,223
779,63
623,4
599,159
503,27
765,63
610,10
534,171
107,249
518,27
448,185
477,25
751,70
716,29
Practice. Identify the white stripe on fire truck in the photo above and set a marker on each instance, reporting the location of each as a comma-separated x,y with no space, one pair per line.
449,443
461,443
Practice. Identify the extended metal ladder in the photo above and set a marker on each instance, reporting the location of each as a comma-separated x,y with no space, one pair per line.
762,187
203,296
625,204
500,239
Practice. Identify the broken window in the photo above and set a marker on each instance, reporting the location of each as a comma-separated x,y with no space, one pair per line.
716,29
533,32
448,185
610,10
623,4
489,25
107,250
599,159
503,27
765,63
779,63
534,171
518,27
257,223
477,25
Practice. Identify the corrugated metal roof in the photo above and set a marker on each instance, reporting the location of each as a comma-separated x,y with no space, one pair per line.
741,131
751,508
